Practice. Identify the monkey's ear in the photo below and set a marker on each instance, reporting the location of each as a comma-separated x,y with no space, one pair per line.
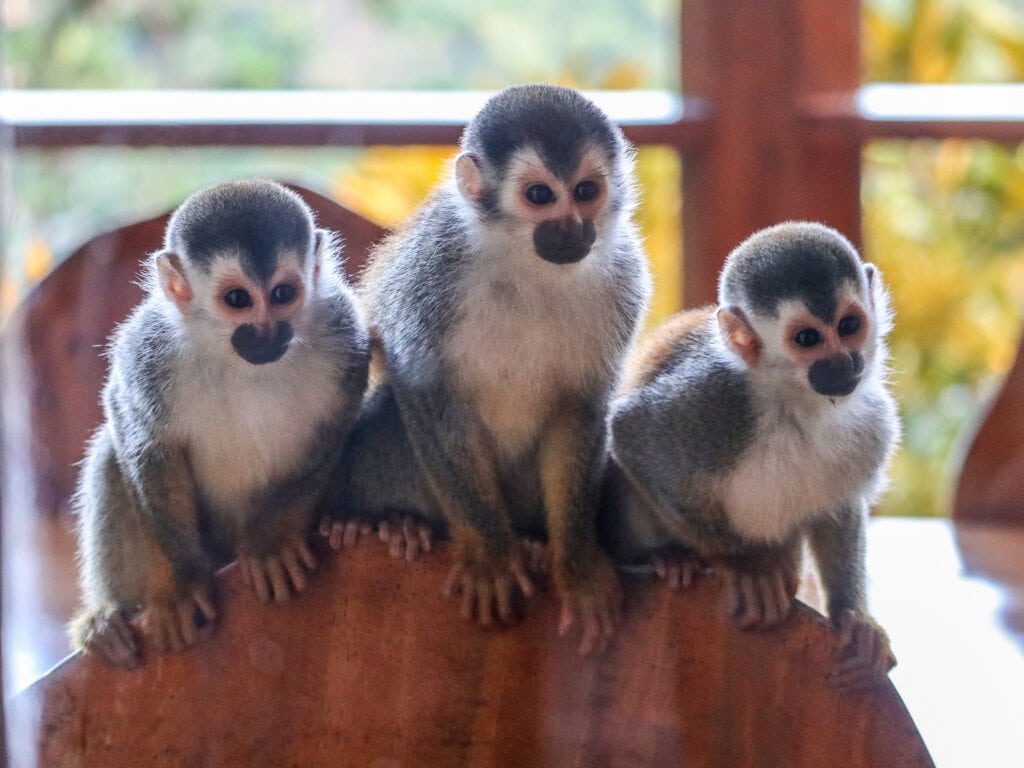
172,279
322,240
738,334
468,177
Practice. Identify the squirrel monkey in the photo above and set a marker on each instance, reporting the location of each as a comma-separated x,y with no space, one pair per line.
504,308
231,389
745,430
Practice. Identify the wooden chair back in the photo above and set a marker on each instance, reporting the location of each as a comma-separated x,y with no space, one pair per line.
990,484
369,667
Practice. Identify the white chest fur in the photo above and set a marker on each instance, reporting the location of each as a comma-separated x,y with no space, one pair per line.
246,425
528,331
798,469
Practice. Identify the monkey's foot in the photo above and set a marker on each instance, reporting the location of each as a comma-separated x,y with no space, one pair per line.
406,536
347,532
759,599
865,657
594,600
487,587
106,634
170,622
276,576
676,567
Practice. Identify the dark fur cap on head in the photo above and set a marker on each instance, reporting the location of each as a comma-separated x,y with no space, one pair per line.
559,122
254,220
795,260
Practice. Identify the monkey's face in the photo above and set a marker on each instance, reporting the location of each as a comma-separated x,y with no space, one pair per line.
560,214
825,355
259,314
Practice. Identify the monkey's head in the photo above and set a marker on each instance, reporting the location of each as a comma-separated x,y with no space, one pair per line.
549,167
239,262
797,303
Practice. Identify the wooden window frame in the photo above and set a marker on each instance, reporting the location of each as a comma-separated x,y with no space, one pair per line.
771,126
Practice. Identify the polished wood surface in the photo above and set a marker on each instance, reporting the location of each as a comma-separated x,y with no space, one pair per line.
990,485
371,667
66,320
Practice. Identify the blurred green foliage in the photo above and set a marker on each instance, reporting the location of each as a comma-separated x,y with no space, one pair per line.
944,220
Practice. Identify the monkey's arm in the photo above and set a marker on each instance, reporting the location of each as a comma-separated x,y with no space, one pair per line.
273,552
460,469
571,464
837,541
179,569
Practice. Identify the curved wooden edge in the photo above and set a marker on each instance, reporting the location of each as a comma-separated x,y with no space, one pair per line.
990,483
370,664
63,325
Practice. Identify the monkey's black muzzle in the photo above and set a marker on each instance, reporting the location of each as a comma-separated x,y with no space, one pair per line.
256,345
836,376
564,241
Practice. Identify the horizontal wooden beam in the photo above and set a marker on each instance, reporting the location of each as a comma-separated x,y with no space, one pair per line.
53,119
905,111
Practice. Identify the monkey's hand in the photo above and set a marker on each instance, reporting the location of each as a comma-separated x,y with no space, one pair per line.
277,575
676,567
594,597
406,536
759,597
107,634
174,622
487,585
864,657
347,532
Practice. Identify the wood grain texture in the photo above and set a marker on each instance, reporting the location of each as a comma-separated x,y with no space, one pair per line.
990,484
65,322
370,667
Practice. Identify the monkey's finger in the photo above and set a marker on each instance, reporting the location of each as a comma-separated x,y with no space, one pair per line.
773,597
660,568
350,533
112,650
201,597
453,579
396,546
384,530
733,596
185,624
485,602
301,547
591,632
857,679
566,618
326,527
845,624
259,582
468,597
522,578
503,595
412,539
750,614
784,595
426,537
243,568
294,568
125,635
278,580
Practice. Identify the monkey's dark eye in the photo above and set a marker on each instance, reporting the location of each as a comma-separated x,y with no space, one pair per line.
238,298
808,337
282,293
540,194
586,190
848,325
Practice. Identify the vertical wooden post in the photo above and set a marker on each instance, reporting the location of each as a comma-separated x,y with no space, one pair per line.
756,63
